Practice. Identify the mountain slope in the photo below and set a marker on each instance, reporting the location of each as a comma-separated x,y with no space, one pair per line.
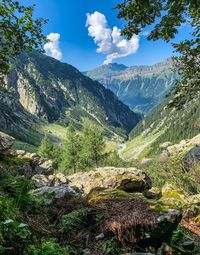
140,87
51,90
164,124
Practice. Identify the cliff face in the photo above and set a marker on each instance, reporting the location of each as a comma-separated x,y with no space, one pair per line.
48,89
140,87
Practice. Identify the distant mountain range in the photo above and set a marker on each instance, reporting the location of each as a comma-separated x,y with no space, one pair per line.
142,88
42,88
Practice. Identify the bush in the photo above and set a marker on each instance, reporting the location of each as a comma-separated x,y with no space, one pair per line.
14,237
111,247
76,220
18,190
52,248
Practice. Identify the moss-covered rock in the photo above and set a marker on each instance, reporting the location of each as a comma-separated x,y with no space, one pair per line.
173,197
102,194
127,179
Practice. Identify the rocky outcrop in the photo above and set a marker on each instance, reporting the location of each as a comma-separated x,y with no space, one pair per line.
127,179
47,194
191,158
6,142
31,163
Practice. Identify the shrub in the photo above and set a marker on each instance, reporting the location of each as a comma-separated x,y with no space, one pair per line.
14,237
52,248
18,189
76,220
111,247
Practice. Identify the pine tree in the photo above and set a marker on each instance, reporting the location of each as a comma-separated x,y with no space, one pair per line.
46,148
93,146
71,152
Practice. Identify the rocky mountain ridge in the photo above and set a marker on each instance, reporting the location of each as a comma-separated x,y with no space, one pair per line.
140,87
46,89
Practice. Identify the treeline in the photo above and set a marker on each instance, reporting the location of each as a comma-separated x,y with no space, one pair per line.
80,151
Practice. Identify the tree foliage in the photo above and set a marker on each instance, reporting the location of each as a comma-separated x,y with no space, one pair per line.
19,31
167,16
93,145
70,159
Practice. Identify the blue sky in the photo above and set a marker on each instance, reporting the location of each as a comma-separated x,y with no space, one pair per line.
68,18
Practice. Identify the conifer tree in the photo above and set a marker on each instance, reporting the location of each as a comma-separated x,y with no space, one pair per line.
71,152
93,146
46,148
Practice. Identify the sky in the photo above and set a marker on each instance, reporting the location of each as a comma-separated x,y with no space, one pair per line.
86,34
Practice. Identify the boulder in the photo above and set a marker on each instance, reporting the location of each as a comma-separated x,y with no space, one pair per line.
6,142
172,196
43,166
41,180
48,194
191,158
127,179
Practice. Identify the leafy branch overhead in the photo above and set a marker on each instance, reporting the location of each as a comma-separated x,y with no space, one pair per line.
19,31
167,16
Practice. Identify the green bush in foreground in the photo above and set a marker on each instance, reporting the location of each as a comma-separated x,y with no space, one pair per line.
51,248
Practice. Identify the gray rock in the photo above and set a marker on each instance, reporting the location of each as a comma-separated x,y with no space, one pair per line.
164,157
6,142
48,194
41,180
100,236
43,166
127,179
191,158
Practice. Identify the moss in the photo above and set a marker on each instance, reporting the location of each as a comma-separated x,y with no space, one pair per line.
159,208
103,194
106,194
173,197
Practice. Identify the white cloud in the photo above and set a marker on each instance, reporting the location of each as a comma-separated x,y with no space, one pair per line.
109,41
52,48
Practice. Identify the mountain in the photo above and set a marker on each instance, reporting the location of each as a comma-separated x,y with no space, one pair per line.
140,87
163,124
50,90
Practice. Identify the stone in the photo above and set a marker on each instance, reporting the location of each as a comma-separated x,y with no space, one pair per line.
153,193
48,194
6,142
165,145
146,161
41,180
60,179
100,237
191,158
164,157
43,166
127,179
172,196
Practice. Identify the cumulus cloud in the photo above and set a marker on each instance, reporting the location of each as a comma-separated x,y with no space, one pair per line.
52,48
109,41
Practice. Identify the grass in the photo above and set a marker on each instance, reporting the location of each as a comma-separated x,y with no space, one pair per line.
111,146
139,146
24,146
56,132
